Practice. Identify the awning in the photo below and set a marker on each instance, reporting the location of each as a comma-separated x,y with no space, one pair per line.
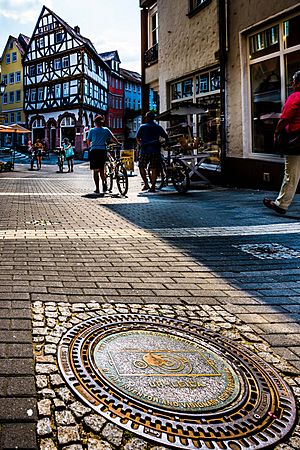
177,112
14,128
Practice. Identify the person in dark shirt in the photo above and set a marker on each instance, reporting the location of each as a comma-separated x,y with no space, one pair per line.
148,137
289,120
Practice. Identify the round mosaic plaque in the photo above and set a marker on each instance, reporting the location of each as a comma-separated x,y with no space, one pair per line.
176,383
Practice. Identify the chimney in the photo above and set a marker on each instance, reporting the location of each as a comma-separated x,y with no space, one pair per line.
77,29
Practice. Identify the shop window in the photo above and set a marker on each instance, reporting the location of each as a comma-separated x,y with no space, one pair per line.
291,32
202,83
176,91
187,87
266,102
264,42
270,78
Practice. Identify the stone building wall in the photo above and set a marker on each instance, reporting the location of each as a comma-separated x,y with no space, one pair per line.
244,14
186,44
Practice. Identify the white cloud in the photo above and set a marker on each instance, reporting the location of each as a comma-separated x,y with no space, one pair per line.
21,11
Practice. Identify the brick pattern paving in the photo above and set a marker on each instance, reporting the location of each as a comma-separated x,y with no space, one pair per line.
59,245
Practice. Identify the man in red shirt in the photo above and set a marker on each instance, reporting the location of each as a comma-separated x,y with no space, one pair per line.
289,119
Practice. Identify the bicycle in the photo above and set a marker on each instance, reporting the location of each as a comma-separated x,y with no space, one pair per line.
171,168
60,159
115,169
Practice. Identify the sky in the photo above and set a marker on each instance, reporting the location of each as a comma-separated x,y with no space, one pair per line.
109,24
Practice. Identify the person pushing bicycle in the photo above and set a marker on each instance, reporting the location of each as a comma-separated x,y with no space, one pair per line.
97,141
148,137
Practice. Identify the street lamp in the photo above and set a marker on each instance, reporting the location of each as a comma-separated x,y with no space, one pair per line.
2,88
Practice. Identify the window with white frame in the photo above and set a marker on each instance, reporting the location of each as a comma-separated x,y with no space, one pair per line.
273,55
66,89
65,61
11,97
154,28
57,91
33,95
14,57
11,78
4,79
5,98
41,94
59,37
196,5
18,96
7,58
57,64
18,117
39,69
18,77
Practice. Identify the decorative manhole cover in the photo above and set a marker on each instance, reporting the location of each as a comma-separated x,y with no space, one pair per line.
41,222
176,383
269,251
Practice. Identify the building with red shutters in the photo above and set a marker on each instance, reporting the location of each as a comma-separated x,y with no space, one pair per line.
115,116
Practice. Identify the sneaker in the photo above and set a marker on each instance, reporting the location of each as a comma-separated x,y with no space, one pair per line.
146,188
272,205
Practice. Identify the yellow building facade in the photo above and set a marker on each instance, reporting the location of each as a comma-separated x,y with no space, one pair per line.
12,75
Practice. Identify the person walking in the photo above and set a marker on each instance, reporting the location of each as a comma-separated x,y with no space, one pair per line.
289,120
97,141
148,137
69,154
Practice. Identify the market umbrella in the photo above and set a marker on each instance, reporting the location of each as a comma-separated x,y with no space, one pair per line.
14,128
18,128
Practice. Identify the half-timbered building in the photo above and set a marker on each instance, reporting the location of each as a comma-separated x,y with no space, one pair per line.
65,82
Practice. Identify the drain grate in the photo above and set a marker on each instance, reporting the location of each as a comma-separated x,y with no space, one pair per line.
175,383
268,251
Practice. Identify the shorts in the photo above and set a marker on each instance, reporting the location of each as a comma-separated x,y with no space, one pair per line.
153,159
97,159
69,158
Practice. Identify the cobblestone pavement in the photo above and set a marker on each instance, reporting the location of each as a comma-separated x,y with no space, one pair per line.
214,256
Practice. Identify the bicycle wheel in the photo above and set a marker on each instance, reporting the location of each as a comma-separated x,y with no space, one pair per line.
180,176
109,173
121,178
61,165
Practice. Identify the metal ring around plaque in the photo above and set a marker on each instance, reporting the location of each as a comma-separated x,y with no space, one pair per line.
176,383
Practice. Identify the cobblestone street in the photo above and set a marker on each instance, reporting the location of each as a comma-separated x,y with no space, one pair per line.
214,257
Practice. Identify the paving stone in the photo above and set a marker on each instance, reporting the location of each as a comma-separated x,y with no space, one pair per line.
68,435
113,434
97,444
94,422
18,435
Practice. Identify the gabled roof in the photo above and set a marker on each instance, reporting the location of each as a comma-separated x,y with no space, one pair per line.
129,75
21,43
109,56
85,41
